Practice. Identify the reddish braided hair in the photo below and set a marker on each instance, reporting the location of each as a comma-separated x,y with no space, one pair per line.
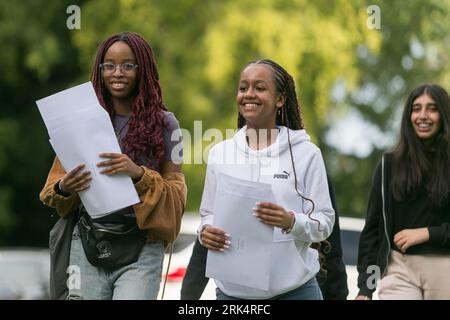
144,139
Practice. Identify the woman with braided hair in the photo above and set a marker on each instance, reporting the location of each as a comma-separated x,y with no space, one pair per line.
273,147
126,80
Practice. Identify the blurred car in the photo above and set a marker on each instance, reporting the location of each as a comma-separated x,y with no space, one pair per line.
181,254
24,274
350,231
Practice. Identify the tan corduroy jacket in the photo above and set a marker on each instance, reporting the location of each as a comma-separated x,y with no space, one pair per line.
163,199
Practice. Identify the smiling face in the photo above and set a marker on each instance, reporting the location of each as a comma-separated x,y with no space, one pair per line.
258,99
425,117
120,84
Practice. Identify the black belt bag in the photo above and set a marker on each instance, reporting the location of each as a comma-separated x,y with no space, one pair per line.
111,241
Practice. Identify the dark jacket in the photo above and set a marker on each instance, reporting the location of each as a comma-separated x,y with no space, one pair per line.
59,245
334,286
374,242
374,245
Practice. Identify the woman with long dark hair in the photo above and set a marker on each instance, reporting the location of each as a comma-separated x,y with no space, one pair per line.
406,238
273,148
126,80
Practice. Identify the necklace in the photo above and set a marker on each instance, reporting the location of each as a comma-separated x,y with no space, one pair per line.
119,131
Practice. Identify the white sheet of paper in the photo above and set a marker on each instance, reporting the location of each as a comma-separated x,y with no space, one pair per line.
63,104
247,261
106,193
76,116
80,129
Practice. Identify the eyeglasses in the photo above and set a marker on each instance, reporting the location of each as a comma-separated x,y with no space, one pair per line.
110,68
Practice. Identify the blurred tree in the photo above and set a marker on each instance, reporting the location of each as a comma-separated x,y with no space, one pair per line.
37,60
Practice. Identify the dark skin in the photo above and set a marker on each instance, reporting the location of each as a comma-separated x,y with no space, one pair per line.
120,86
269,213
258,101
120,163
77,180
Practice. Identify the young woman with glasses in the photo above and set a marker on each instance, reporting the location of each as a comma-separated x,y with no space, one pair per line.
126,80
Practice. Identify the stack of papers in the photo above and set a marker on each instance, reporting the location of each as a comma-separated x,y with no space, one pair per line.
247,262
79,130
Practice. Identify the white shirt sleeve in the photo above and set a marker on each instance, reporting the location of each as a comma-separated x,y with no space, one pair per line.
208,197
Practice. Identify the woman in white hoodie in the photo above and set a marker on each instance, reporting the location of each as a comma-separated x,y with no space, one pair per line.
271,148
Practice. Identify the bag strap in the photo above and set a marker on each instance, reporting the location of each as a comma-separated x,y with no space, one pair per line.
167,270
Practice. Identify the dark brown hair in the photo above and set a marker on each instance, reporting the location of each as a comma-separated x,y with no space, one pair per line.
416,164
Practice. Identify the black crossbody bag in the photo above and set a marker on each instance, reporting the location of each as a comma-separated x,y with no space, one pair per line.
111,241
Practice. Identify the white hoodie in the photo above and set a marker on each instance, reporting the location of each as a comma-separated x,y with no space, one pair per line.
273,165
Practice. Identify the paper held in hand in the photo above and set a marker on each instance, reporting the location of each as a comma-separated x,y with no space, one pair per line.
79,130
247,261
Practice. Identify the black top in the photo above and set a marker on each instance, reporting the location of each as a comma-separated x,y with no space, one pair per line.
415,213
173,141
376,239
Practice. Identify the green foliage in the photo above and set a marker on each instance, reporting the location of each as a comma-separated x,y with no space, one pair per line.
414,49
6,217
316,48
201,46
37,60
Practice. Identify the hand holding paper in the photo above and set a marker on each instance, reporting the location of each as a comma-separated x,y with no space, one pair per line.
273,214
120,163
76,180
80,129
247,260
215,238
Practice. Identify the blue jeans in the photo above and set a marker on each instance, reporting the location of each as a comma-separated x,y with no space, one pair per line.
308,291
137,281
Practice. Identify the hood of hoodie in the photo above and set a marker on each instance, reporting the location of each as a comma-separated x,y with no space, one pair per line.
280,145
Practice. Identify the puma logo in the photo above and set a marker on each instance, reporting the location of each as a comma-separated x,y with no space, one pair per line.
284,175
